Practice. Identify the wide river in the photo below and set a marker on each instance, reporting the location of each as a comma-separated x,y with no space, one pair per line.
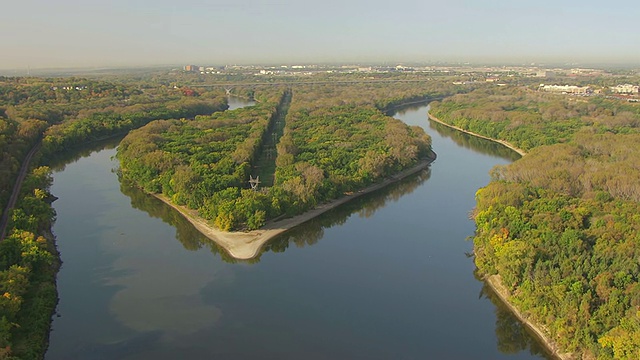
386,276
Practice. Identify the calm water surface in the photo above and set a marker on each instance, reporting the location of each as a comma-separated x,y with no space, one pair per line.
383,277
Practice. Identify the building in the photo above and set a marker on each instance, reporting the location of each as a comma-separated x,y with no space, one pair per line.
625,89
566,89
191,68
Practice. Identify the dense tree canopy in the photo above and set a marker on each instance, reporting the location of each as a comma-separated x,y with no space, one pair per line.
335,140
65,112
561,225
190,153
529,119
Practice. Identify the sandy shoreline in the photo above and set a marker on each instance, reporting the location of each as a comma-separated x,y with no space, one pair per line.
246,245
505,143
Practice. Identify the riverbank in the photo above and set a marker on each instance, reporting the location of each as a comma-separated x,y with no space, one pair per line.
247,245
495,283
394,108
505,143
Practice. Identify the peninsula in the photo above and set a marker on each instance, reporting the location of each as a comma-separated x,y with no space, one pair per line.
304,157
246,245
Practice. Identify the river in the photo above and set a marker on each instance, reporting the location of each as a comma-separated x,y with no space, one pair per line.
386,276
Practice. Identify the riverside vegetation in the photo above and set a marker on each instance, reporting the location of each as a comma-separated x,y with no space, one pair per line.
332,144
560,226
60,114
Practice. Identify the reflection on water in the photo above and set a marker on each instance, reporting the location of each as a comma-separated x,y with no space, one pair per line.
237,102
365,206
188,235
59,161
512,335
474,143
307,234
391,282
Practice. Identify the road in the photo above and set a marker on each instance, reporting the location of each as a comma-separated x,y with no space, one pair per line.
16,190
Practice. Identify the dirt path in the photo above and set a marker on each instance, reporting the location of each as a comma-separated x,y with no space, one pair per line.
16,190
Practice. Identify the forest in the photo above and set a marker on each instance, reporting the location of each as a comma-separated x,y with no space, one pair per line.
56,115
195,153
560,226
335,140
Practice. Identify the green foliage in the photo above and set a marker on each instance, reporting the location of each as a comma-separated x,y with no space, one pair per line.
202,162
529,119
105,123
65,112
27,272
561,224
328,147
194,161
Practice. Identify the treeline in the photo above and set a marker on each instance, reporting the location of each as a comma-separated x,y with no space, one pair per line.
383,96
335,141
74,110
203,163
113,120
28,267
16,139
66,112
326,152
529,119
560,226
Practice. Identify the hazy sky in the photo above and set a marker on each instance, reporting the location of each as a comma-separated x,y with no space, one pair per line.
96,33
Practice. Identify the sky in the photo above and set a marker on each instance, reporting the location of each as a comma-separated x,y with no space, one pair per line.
119,33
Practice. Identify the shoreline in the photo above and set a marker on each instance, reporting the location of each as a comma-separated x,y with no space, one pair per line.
502,142
247,245
495,282
395,108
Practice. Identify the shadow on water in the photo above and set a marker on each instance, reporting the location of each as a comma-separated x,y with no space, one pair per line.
59,161
306,234
511,334
248,298
474,143
365,206
186,233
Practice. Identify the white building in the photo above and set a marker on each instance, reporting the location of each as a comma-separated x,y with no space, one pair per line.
566,89
625,89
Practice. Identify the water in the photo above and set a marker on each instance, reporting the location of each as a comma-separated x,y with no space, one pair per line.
383,277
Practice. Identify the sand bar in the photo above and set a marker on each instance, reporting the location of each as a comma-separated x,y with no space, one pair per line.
246,245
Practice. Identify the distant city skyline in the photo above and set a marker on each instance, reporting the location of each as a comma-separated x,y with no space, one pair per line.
118,33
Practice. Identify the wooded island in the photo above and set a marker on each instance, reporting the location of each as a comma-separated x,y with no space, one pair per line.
193,152
559,228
